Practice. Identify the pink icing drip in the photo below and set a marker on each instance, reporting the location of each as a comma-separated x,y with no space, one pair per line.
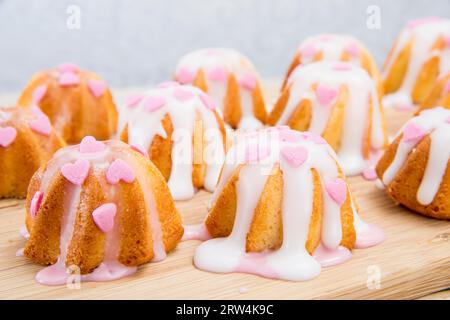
369,173
328,258
57,274
447,86
24,232
256,263
196,232
370,237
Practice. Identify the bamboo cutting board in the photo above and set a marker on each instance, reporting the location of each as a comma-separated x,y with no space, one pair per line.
413,262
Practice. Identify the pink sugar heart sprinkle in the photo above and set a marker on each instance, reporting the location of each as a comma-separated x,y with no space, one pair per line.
36,110
295,156
207,101
96,87
325,94
337,190
183,95
7,136
39,93
353,49
248,82
41,124
68,67
184,76
119,170
90,145
76,172
67,79
308,51
133,100
413,132
447,120
35,204
151,104
218,74
104,216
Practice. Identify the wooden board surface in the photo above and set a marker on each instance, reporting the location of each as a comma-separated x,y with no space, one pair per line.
413,262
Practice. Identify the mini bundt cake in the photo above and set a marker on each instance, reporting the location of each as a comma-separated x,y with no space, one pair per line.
183,133
77,102
335,47
419,56
338,101
27,141
230,79
440,94
416,169
282,209
100,208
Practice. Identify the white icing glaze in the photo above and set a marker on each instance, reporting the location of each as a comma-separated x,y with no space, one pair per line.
423,33
435,125
232,62
110,268
144,125
361,90
291,261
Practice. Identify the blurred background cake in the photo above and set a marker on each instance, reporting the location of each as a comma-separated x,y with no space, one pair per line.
27,141
78,102
231,80
420,54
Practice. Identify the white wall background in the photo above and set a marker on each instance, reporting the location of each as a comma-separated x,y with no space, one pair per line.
138,42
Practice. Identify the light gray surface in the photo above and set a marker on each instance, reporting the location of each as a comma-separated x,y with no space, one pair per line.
138,42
